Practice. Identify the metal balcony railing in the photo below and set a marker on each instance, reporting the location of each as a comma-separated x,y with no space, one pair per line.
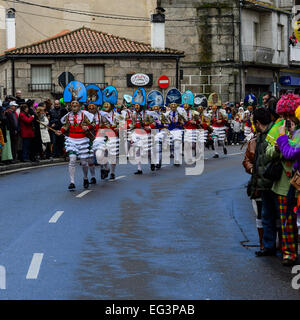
257,54
41,87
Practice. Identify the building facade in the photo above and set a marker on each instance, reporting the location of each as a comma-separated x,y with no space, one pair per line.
41,70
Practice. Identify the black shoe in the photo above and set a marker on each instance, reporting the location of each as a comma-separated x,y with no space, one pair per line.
71,186
266,253
106,173
176,164
158,166
112,176
85,183
93,181
152,167
103,173
225,150
139,172
216,156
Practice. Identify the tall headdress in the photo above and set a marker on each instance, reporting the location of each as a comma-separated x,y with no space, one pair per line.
214,100
188,98
173,96
200,100
155,98
75,91
110,95
139,97
94,95
250,100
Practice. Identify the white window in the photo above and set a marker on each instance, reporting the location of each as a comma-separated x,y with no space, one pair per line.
40,78
280,41
94,74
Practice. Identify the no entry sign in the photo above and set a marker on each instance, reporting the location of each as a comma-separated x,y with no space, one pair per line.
164,82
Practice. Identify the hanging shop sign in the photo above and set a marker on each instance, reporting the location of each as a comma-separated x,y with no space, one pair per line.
139,80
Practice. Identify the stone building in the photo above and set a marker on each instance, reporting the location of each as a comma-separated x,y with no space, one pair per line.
231,47
85,55
42,19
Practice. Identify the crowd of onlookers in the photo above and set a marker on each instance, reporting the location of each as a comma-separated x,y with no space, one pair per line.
272,159
24,129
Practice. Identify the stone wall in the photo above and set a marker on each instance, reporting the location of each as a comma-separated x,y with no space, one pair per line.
115,71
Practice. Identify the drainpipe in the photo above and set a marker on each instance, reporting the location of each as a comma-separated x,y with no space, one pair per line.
177,73
13,86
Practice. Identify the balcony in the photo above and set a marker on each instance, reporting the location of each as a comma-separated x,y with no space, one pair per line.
295,54
256,54
33,87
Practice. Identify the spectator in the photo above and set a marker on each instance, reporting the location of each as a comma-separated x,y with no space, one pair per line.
27,133
54,123
13,125
19,99
236,125
6,155
259,184
44,134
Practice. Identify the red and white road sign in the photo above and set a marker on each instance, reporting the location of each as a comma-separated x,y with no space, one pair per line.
164,82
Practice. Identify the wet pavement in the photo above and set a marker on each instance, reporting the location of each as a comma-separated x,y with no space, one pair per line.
162,235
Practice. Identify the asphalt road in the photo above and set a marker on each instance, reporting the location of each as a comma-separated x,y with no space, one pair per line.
162,235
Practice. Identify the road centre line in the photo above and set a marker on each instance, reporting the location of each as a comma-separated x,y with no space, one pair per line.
35,265
118,178
56,216
82,194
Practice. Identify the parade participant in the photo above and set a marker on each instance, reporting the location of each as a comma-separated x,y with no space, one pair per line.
77,144
106,144
155,104
176,119
77,123
127,116
141,126
94,100
249,102
192,132
218,120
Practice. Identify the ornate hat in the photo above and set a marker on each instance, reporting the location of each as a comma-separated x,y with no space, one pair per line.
110,95
94,95
250,100
75,91
214,99
173,96
155,98
127,98
200,100
139,97
188,98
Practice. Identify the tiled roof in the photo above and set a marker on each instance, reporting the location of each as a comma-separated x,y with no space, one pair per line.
88,41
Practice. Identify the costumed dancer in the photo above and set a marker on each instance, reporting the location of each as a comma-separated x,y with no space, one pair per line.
142,123
176,117
106,144
250,102
218,121
127,116
77,123
94,100
192,132
155,104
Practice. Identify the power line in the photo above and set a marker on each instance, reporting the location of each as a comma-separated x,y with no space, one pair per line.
101,15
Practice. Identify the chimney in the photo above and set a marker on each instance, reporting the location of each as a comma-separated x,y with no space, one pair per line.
158,29
10,28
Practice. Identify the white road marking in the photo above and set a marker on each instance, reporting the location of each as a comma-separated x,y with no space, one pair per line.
35,265
118,178
82,194
56,216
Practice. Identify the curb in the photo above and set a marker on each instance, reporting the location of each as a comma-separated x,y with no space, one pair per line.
12,168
